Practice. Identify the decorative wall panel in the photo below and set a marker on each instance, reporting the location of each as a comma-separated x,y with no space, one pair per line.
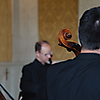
5,31
55,15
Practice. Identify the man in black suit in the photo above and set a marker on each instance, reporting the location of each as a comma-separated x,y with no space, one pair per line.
79,78
34,74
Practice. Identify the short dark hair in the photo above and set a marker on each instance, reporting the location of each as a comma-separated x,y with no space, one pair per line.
89,29
38,45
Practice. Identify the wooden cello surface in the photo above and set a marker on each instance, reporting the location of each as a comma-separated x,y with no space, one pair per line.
2,96
65,35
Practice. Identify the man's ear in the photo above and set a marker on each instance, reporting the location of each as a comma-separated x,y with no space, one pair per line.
37,53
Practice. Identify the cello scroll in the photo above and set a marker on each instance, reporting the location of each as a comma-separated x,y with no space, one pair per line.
65,35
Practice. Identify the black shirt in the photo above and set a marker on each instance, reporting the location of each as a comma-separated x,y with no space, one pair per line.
33,81
76,79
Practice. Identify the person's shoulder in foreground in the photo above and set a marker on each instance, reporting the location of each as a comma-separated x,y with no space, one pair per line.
78,79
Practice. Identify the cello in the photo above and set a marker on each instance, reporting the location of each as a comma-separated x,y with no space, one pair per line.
65,35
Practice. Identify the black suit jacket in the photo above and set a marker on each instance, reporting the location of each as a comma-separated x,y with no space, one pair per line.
33,81
76,79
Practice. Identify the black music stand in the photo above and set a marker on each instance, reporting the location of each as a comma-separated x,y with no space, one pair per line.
2,95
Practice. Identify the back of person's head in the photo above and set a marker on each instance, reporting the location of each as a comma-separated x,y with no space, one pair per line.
89,29
39,44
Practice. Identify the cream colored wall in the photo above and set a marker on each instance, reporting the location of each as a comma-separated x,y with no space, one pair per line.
24,36
86,4
25,29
